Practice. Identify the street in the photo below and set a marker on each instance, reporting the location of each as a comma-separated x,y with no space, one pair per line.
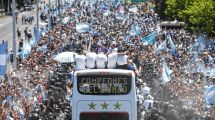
6,26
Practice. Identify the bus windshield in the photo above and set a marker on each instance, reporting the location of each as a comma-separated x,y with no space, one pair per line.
97,84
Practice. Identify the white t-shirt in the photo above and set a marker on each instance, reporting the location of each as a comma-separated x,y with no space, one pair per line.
80,62
91,60
100,61
140,99
145,90
147,102
112,59
122,59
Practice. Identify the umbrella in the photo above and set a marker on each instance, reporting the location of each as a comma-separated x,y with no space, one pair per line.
65,57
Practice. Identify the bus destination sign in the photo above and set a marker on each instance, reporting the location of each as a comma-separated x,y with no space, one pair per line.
104,84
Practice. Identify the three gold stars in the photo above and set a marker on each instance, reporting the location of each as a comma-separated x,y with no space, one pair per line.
104,106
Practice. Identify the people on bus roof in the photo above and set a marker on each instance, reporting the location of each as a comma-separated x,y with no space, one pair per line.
80,60
91,60
101,60
112,59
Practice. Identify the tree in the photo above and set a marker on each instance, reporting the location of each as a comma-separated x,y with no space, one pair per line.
160,7
200,15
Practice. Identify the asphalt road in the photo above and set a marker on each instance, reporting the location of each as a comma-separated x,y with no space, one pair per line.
6,25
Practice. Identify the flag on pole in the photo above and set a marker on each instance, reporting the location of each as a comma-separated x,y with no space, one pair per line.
166,72
172,45
151,38
162,46
3,59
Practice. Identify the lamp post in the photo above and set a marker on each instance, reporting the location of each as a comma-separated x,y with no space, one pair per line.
49,25
37,11
14,36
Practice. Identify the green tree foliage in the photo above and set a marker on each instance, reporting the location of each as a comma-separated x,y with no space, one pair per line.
160,7
173,7
198,14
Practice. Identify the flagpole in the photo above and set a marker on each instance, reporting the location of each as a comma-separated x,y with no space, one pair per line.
14,36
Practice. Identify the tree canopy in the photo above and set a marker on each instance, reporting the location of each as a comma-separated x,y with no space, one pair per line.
198,14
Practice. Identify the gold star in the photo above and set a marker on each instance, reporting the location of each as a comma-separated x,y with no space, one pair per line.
104,106
117,106
92,106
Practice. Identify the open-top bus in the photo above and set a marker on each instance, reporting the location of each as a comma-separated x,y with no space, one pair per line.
104,94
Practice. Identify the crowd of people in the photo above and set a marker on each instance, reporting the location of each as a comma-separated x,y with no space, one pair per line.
38,89
27,19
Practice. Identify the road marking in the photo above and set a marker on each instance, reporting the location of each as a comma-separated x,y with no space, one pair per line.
4,24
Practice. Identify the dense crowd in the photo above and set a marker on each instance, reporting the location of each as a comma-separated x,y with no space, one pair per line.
39,88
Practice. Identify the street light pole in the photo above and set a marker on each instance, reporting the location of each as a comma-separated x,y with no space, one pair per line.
49,25
14,36
37,11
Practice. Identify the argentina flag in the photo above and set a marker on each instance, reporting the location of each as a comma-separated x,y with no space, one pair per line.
135,30
82,27
172,45
3,59
209,94
149,39
166,72
162,47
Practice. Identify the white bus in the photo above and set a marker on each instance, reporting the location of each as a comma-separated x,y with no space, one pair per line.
104,94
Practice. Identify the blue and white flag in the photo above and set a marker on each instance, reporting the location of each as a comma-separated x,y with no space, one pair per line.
65,20
133,9
3,59
103,6
172,45
162,46
209,94
82,27
199,44
26,50
151,38
135,30
166,72
126,39
120,16
106,13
